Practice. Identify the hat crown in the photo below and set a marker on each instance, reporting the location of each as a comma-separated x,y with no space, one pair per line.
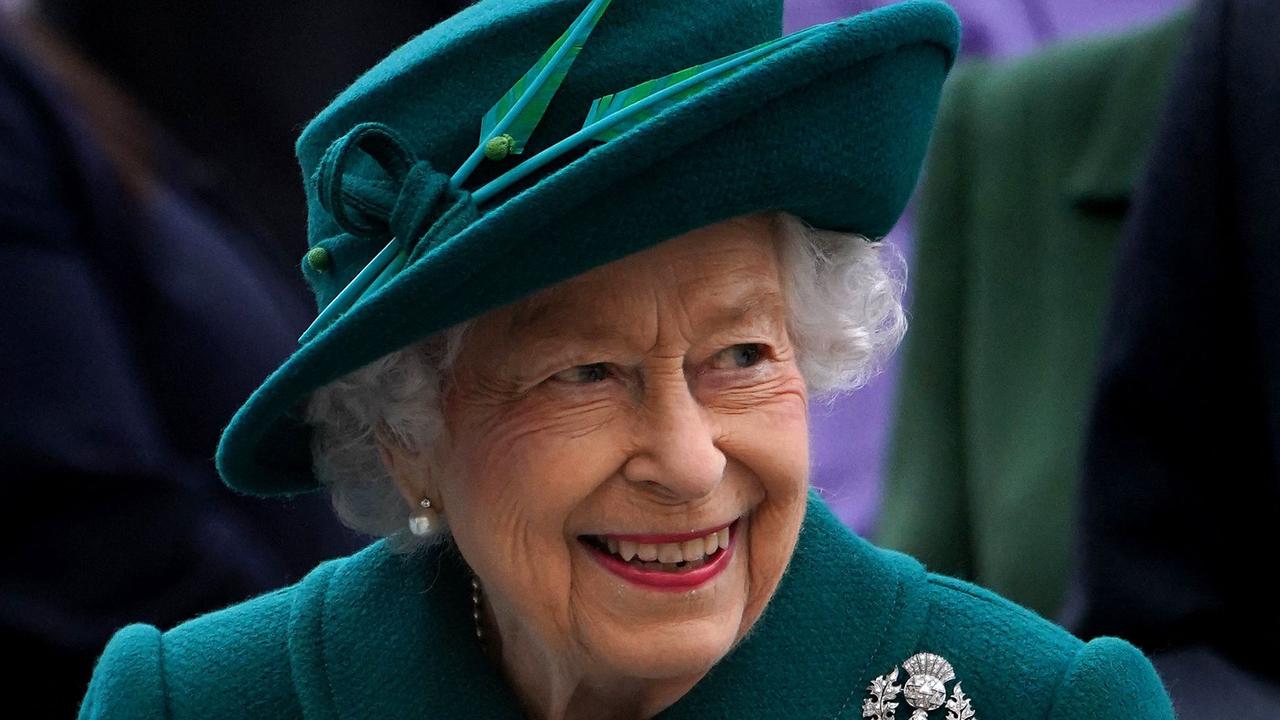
435,89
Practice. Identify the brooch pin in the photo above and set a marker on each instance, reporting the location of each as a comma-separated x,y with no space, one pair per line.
925,690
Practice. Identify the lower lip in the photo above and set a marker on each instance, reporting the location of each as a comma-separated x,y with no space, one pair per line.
663,580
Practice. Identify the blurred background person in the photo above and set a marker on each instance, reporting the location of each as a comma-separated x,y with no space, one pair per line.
851,436
1024,198
1181,485
147,233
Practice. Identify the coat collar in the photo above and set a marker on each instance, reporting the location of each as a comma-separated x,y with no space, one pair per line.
1104,176
379,635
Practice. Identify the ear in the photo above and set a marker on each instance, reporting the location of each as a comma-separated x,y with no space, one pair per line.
409,471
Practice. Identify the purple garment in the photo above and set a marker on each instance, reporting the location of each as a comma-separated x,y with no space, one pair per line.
850,434
1006,28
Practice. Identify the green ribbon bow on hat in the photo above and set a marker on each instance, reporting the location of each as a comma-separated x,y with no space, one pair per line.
417,206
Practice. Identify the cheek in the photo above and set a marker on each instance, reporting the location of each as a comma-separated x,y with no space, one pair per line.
529,459
771,443
770,437
515,476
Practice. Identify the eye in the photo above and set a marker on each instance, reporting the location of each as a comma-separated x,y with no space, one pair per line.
739,356
583,374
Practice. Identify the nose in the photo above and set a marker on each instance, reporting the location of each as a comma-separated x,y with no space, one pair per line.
676,458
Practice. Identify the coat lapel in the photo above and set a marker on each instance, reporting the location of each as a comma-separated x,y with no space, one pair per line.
1104,176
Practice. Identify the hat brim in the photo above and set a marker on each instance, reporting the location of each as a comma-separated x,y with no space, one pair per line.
832,128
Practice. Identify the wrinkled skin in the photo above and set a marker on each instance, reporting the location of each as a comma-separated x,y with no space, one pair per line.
657,394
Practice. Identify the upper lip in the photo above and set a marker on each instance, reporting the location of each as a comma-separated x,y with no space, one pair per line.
654,539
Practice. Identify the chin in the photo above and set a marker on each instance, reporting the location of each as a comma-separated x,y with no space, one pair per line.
676,650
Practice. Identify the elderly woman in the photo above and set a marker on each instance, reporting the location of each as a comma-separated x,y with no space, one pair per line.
564,374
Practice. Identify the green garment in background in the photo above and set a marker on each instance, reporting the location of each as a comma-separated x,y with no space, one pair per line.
1025,193
380,636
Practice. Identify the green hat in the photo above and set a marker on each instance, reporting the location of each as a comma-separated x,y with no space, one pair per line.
523,142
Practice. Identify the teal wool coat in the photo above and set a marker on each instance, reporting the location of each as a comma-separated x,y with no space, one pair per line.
378,635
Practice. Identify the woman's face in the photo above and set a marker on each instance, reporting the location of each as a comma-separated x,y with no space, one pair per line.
634,411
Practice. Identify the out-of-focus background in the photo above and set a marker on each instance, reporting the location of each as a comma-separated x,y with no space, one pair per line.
1084,417
851,436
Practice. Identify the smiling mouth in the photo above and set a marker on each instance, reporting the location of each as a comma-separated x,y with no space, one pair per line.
664,556
667,562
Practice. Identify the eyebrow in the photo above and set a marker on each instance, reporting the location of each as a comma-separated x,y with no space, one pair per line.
745,304
530,312
537,313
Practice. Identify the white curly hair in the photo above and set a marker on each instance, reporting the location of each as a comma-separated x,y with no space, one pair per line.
845,317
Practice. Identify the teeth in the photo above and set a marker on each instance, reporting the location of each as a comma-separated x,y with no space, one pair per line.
670,553
693,549
626,550
665,555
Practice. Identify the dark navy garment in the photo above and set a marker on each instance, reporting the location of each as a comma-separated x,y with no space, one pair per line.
132,324
1181,491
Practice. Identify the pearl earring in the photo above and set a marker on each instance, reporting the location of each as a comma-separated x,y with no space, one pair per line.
425,520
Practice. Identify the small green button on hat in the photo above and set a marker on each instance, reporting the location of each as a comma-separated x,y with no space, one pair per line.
318,259
523,142
498,148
